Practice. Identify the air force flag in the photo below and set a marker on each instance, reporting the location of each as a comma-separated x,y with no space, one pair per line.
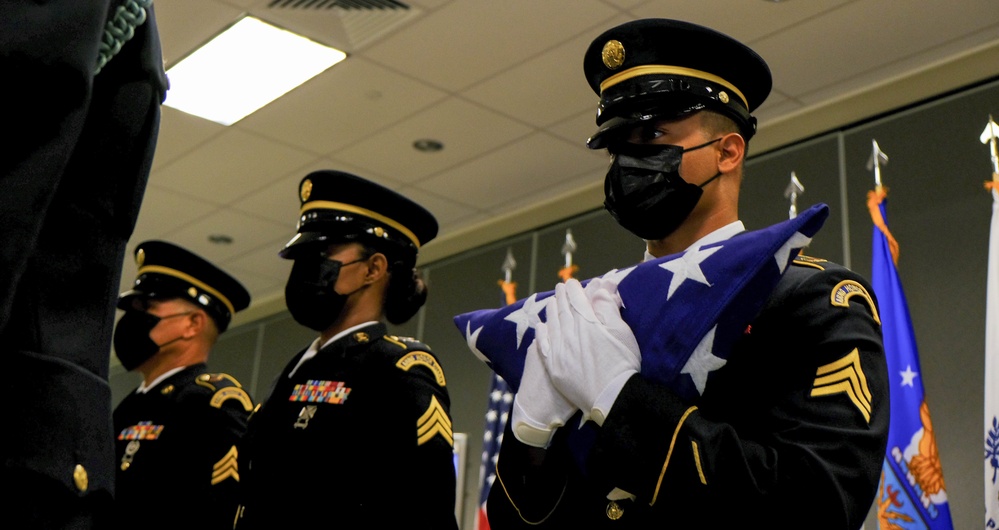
686,310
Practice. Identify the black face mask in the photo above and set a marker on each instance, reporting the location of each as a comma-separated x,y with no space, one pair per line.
310,295
644,190
132,343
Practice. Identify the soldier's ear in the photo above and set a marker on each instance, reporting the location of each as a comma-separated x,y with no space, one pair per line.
377,267
198,320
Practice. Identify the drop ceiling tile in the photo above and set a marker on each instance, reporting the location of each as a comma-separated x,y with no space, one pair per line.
164,211
264,261
248,233
742,19
466,42
578,128
467,130
543,89
447,212
179,133
260,287
229,166
907,66
352,100
866,36
181,33
279,200
520,170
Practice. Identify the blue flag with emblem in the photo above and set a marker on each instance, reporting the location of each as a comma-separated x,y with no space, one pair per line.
911,493
686,310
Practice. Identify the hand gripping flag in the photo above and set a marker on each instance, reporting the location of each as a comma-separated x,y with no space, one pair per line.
911,493
686,310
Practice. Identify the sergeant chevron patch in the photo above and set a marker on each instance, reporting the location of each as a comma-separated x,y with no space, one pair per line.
226,467
433,422
847,289
845,376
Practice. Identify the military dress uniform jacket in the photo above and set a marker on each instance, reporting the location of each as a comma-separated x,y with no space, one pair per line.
790,433
72,175
176,455
358,437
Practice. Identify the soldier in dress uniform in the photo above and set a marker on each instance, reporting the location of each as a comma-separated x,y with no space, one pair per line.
176,434
80,100
356,432
791,431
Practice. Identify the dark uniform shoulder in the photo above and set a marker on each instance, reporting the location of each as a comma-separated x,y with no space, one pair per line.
220,388
409,353
827,278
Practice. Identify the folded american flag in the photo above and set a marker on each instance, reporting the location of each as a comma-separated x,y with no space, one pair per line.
686,310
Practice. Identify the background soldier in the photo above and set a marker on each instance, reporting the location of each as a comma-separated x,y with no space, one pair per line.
356,432
176,434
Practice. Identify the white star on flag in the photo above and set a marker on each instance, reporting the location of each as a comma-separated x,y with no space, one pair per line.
783,254
908,376
703,361
687,267
472,337
526,316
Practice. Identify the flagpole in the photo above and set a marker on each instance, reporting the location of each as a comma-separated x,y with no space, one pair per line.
990,136
911,492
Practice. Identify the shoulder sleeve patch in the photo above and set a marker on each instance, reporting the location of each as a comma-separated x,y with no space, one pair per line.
422,358
847,289
233,392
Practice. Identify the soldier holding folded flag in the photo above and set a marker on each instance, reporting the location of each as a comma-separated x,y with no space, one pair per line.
788,427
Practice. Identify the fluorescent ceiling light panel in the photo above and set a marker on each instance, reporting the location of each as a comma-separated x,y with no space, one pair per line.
244,68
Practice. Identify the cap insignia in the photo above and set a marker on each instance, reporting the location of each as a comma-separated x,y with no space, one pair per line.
306,190
723,96
80,478
613,54
140,257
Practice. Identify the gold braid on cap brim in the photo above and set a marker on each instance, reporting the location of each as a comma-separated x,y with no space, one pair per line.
159,269
330,205
650,69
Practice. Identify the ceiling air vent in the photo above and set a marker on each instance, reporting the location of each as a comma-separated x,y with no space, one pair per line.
362,20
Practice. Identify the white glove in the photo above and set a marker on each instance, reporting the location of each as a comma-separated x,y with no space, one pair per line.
538,408
588,349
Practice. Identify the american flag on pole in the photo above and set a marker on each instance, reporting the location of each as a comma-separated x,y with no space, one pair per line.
686,310
990,136
912,492
498,411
